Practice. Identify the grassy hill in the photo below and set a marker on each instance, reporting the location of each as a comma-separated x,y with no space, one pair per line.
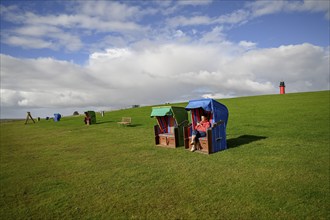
277,166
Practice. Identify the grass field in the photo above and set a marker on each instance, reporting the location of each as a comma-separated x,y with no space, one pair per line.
276,167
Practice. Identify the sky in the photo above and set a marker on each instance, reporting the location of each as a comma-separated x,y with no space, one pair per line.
66,56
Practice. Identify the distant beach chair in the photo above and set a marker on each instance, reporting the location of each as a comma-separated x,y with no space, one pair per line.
57,117
90,118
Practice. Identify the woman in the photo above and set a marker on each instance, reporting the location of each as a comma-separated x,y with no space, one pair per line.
87,119
200,131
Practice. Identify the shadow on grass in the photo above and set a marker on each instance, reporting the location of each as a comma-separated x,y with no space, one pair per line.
103,122
243,139
135,125
130,126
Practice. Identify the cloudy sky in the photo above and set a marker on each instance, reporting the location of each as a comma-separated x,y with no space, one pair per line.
62,56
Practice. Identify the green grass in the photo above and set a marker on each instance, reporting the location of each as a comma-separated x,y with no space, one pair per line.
277,166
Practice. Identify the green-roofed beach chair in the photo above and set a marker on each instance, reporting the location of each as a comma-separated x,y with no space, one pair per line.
170,123
90,117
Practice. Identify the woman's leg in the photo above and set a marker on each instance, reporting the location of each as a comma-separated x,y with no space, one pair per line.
193,136
202,134
195,140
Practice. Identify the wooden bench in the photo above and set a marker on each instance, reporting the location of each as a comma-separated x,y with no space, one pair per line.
125,121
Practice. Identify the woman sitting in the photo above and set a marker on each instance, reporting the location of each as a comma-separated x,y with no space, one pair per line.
87,119
200,131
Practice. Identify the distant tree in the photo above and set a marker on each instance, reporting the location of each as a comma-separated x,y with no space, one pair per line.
75,113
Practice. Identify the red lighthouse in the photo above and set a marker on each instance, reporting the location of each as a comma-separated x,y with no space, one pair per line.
282,87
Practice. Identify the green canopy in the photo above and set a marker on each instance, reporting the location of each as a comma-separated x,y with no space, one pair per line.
93,116
161,111
178,113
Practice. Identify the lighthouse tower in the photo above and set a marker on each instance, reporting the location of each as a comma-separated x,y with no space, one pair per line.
282,87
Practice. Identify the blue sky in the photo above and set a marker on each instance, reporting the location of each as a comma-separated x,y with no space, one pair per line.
97,54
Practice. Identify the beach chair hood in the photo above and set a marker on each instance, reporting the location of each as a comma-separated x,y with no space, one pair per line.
219,111
178,113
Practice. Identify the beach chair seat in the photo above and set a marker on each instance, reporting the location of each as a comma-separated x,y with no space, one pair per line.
168,139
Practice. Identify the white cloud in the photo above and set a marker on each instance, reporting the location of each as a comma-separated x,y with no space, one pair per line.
253,9
10,97
108,10
179,33
109,54
121,77
247,44
122,24
189,21
82,21
216,35
296,64
36,31
260,8
42,36
236,17
51,31
28,42
194,2
318,6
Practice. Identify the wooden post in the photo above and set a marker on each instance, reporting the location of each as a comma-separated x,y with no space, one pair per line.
186,137
209,141
176,136
156,130
28,115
